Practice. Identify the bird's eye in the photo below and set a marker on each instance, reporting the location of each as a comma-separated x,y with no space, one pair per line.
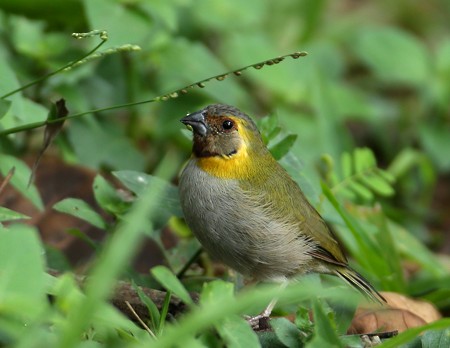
227,124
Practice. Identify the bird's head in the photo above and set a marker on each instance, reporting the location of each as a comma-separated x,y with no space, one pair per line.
223,131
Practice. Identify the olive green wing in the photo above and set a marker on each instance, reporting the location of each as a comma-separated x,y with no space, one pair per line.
279,190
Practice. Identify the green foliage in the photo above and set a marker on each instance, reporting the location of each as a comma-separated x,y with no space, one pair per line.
325,334
286,332
20,178
169,281
137,182
278,143
157,319
393,55
440,337
10,215
369,104
80,209
108,198
24,292
360,177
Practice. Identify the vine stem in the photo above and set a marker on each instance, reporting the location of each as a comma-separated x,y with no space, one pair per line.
172,95
67,66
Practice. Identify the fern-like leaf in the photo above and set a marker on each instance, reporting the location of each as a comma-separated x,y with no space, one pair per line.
360,176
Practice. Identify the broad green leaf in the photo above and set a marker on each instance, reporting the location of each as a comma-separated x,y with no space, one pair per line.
103,143
436,339
237,333
31,38
392,54
5,105
287,332
107,196
435,139
354,104
134,28
169,200
116,255
170,282
202,63
9,81
409,335
80,209
23,111
28,37
296,170
218,15
20,178
324,332
273,133
281,148
165,11
352,341
194,342
22,276
56,259
10,215
217,290
269,339
268,127
333,135
138,181
53,13
185,250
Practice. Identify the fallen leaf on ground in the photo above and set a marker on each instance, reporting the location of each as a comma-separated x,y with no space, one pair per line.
400,313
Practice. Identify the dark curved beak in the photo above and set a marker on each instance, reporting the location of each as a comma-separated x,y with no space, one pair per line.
197,121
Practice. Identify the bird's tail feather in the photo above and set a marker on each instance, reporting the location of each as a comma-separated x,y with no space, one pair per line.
360,283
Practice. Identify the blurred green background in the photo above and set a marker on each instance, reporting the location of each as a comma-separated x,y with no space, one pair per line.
377,75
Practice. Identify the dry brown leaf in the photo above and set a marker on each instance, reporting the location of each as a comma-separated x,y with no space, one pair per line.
401,313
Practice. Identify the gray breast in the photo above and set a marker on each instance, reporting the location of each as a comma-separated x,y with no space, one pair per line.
237,229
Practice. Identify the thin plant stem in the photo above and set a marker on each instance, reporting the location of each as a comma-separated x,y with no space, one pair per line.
67,66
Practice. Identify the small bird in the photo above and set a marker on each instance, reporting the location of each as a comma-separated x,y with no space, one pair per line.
247,211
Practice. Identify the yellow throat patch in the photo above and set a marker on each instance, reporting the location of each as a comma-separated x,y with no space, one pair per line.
237,166
227,167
